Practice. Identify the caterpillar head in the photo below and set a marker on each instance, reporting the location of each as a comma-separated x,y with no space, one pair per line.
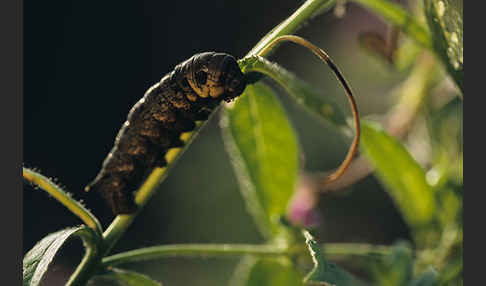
215,75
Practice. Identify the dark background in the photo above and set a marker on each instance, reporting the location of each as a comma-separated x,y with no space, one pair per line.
86,63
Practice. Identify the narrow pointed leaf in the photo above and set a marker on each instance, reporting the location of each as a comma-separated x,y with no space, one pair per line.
37,261
264,152
402,175
325,272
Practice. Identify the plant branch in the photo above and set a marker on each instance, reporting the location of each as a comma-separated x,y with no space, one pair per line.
205,250
64,198
231,250
309,9
359,249
121,223
90,260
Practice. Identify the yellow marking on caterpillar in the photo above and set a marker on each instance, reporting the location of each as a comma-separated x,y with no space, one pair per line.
172,154
186,136
211,88
144,193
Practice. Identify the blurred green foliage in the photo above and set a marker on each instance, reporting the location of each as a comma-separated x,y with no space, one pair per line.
401,173
421,170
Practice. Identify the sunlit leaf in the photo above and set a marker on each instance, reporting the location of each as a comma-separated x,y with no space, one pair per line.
402,175
264,152
37,261
128,278
325,272
445,22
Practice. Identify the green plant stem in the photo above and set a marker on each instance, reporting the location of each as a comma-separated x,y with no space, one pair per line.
359,249
156,252
61,196
308,10
121,223
90,260
220,250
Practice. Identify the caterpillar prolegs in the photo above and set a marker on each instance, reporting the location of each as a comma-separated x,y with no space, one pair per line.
156,123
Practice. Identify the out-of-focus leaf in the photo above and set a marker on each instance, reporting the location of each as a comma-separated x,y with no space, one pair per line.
445,128
395,268
452,273
403,176
399,17
376,45
302,93
406,54
266,272
264,152
37,261
128,278
428,278
445,22
324,272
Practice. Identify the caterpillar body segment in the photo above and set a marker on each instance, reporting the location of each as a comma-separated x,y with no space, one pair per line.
162,120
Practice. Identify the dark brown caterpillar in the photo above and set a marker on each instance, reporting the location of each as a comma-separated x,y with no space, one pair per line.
156,122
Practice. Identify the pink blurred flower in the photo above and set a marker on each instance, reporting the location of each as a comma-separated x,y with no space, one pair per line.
302,211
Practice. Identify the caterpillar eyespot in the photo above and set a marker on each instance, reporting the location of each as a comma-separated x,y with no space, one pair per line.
159,124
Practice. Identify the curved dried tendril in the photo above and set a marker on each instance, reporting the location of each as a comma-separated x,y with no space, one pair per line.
354,109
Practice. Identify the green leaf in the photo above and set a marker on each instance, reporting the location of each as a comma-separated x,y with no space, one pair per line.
266,272
445,22
128,278
403,176
324,272
428,278
264,152
395,268
302,93
37,261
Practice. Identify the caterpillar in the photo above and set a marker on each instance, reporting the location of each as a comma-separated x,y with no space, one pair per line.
159,121
162,120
